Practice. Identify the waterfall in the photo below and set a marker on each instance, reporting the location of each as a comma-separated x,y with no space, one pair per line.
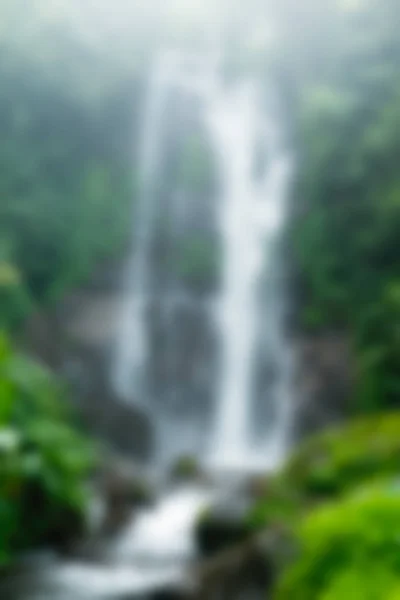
132,347
252,209
198,361
203,352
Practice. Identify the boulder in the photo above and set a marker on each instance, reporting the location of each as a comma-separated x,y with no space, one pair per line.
123,490
241,571
256,487
324,382
187,469
220,528
173,593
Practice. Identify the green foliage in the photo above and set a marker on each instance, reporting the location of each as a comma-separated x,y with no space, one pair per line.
44,462
348,550
342,58
337,460
329,465
14,299
186,468
337,506
64,193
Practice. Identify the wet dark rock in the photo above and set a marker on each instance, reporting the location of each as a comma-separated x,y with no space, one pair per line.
125,426
123,492
81,360
169,594
325,381
187,469
104,413
219,529
183,354
256,487
244,570
68,530
76,338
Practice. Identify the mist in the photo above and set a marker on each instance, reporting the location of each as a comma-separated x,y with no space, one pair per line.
199,299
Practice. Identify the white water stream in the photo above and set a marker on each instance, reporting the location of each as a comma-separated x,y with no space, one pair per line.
152,553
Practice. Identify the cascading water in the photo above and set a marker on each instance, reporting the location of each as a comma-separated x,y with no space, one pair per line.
165,342
255,172
132,348
246,309
170,331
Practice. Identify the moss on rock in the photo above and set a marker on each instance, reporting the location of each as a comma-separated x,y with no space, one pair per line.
332,463
347,549
186,468
338,503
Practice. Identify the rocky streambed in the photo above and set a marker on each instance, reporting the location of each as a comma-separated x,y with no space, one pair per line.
188,539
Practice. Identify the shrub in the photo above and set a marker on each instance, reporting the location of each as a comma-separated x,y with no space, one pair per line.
44,462
331,464
337,460
186,467
14,298
349,549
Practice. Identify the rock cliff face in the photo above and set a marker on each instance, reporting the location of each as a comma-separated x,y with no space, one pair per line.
243,571
76,339
324,381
